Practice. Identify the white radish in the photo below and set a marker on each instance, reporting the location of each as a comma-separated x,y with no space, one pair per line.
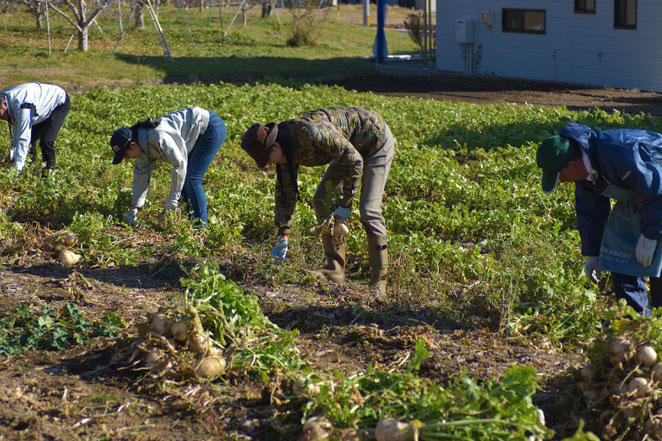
646,355
70,239
618,350
639,386
69,258
390,429
159,324
340,229
203,344
657,372
179,331
317,428
211,367
303,386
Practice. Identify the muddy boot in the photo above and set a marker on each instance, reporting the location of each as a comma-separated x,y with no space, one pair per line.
335,260
378,255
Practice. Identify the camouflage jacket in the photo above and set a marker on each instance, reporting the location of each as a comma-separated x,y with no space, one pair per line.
344,135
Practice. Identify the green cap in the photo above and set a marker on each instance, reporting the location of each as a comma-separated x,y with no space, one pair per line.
553,155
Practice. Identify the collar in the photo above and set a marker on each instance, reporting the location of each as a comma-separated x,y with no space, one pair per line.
592,173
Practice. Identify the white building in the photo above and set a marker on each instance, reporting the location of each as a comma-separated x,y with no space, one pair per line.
615,43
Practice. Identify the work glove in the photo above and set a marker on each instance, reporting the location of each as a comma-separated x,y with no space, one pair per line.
645,250
131,217
341,212
279,252
591,269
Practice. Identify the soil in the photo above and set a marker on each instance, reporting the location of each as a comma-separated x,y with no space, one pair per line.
85,393
482,89
90,391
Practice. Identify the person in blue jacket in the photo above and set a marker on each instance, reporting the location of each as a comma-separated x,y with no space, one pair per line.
624,165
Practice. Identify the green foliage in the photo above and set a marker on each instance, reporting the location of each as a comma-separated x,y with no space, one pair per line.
25,328
469,228
238,324
502,409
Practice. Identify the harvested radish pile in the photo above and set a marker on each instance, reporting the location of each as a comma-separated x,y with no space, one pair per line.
622,385
221,331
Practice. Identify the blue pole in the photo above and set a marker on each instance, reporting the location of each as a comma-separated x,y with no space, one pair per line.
380,51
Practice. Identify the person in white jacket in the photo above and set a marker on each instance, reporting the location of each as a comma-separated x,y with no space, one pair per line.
35,112
188,139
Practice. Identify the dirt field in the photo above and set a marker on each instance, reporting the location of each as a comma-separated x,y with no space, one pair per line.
85,393
481,89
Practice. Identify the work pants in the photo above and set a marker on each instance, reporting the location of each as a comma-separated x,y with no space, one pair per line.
199,159
633,290
46,132
373,181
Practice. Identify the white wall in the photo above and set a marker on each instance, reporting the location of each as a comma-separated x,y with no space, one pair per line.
576,48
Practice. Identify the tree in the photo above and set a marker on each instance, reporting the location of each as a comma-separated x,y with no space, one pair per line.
82,19
37,7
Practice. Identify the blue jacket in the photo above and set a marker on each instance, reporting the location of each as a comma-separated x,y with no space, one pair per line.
627,158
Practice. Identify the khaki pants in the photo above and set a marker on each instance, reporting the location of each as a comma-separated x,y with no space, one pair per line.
373,181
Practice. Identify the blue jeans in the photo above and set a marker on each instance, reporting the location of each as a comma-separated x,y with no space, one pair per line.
199,159
633,290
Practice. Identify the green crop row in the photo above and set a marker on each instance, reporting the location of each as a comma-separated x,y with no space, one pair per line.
470,229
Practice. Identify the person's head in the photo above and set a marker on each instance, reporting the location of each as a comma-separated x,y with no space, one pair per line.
560,160
123,145
124,140
259,142
4,111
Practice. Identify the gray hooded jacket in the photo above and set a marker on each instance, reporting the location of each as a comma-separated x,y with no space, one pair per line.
171,141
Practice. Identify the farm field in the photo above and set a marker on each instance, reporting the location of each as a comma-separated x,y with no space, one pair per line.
488,317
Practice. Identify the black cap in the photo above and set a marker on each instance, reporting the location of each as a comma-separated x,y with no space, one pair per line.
119,142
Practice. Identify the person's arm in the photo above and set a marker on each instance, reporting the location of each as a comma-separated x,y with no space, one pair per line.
178,173
285,198
141,173
22,133
592,212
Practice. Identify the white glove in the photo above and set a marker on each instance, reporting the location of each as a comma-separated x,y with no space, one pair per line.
591,269
645,250
131,217
342,212
279,252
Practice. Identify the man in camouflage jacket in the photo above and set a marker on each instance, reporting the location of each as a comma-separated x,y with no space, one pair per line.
359,147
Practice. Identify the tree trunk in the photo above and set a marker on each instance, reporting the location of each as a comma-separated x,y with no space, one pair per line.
82,39
267,8
139,16
39,15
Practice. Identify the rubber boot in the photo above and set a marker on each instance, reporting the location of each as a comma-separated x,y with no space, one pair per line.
335,260
378,256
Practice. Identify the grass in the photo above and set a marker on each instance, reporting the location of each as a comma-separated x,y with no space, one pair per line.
245,54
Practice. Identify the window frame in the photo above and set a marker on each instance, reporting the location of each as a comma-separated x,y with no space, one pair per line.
523,11
584,10
624,3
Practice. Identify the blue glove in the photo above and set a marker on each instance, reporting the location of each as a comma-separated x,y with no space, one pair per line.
342,212
131,216
279,252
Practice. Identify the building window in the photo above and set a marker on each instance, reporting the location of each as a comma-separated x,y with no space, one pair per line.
530,21
585,6
625,14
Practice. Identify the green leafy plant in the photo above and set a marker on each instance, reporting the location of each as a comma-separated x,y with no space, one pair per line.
25,328
236,322
501,409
